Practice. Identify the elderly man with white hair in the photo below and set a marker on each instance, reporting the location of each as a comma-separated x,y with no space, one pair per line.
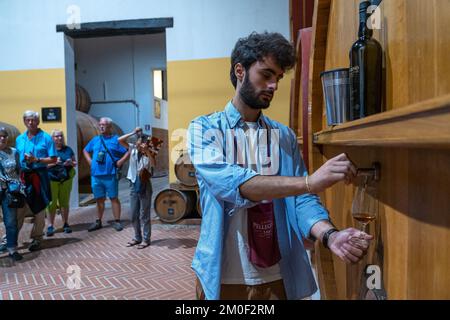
107,157
36,151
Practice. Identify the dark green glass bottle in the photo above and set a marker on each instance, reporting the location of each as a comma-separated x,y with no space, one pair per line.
366,59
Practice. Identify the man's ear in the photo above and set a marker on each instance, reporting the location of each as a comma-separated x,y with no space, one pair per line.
239,71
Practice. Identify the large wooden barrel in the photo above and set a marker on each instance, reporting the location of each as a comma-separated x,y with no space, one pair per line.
13,132
409,257
172,205
87,128
199,207
83,101
185,171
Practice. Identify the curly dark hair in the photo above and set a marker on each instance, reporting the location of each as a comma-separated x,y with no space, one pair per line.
259,45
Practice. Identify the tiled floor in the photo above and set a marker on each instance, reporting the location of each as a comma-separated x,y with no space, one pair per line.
107,268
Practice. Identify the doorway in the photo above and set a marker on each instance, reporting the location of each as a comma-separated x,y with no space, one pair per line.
107,67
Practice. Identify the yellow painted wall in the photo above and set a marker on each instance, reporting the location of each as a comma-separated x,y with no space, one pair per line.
195,87
32,90
198,87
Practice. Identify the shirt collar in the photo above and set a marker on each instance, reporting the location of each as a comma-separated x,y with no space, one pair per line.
37,133
234,116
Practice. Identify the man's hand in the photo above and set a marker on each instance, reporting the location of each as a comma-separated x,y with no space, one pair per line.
30,158
334,170
68,163
350,244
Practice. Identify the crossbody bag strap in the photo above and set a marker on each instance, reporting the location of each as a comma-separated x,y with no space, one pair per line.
107,150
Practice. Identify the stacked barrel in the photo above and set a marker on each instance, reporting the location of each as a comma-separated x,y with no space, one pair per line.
181,200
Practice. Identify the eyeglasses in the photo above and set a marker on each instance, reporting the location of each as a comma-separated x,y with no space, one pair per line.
4,137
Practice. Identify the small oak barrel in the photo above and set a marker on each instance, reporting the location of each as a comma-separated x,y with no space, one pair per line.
185,171
83,101
172,205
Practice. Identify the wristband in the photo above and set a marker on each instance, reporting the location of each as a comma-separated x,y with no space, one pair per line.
327,235
307,185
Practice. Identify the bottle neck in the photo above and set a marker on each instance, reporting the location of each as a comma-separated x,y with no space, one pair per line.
364,32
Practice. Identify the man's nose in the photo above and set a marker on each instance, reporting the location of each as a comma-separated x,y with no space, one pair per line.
273,86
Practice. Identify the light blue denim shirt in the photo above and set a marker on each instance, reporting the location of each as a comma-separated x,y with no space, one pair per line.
219,178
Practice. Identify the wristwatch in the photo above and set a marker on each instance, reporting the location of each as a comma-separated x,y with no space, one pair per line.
327,235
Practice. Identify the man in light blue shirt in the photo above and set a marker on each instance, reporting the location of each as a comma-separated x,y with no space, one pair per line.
257,199
36,150
107,157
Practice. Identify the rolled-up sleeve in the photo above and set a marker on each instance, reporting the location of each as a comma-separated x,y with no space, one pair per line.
308,207
207,153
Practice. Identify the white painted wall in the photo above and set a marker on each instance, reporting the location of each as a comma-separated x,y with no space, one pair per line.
71,138
202,28
121,68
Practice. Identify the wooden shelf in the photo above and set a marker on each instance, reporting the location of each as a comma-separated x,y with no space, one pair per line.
424,125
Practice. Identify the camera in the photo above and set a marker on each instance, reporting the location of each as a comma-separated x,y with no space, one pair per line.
101,157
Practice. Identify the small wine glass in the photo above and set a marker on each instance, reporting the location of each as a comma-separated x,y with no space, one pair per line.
365,204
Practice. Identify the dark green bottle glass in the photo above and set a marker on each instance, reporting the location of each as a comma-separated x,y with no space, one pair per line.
366,59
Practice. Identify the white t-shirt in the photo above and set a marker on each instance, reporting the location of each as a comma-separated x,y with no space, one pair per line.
136,164
236,267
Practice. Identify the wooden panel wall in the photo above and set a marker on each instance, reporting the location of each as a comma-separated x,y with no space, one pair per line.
301,15
162,159
415,38
414,223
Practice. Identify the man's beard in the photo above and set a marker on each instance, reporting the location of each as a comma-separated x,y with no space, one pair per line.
249,96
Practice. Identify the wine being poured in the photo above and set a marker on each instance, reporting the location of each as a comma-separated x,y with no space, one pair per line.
364,218
365,205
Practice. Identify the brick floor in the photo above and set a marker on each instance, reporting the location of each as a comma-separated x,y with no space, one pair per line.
108,269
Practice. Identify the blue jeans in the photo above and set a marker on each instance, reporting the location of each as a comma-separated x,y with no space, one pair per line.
10,221
140,205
